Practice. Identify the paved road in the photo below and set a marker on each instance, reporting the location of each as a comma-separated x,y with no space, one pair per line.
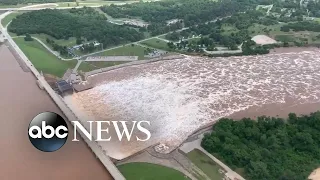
48,48
126,44
77,66
105,160
28,8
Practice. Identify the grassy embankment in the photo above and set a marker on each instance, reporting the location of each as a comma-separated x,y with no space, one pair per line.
9,18
207,165
12,6
146,171
128,50
61,42
42,59
274,32
156,43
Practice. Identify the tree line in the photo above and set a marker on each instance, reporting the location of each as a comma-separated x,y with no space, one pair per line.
302,26
82,23
269,147
189,12
63,50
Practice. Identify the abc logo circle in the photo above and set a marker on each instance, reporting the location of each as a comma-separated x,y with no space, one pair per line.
48,131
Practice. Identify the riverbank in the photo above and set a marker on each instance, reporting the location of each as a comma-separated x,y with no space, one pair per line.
292,49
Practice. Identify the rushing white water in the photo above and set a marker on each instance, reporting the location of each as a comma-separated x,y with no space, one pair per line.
180,96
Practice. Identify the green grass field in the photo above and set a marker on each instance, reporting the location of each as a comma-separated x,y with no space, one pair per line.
207,165
42,59
274,32
9,18
261,29
89,66
228,29
62,42
12,6
127,50
86,67
156,43
146,171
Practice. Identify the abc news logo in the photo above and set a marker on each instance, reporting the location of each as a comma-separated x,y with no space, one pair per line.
48,131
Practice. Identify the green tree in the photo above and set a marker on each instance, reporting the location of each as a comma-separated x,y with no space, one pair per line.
28,38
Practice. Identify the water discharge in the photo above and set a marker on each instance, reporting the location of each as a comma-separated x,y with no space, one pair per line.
181,96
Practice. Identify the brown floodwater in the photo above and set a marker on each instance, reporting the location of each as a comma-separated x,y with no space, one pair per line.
180,96
20,101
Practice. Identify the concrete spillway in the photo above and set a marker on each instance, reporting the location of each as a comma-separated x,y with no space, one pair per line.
180,96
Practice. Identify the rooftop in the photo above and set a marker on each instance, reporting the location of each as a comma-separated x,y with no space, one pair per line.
63,86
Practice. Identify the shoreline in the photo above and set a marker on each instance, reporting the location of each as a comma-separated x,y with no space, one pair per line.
292,49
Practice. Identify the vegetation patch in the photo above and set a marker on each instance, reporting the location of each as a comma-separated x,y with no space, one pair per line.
257,29
5,21
156,43
85,24
147,171
62,42
160,12
103,64
302,26
269,147
128,50
206,164
285,38
42,59
86,67
20,2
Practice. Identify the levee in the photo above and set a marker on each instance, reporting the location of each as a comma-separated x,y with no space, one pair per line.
105,160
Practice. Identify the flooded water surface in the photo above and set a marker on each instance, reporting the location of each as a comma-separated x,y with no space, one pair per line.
20,101
180,96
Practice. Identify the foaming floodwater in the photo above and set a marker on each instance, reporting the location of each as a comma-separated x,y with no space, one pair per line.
20,101
181,96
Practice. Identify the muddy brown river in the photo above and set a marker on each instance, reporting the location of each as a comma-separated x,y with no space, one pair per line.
180,96
20,101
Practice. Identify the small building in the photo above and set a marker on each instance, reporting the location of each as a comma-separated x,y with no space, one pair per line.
63,87
95,43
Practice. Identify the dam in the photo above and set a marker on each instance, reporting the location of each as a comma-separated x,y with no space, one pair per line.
181,96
